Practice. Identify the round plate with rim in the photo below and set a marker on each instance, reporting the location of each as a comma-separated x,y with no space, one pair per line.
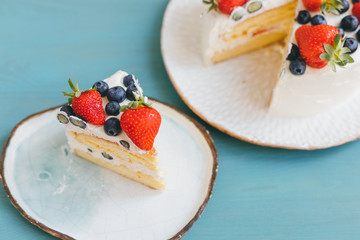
72,198
233,96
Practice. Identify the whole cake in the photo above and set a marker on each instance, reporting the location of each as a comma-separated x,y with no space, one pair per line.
316,39
114,125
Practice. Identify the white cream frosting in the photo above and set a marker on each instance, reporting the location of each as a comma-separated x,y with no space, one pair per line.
215,24
95,130
317,90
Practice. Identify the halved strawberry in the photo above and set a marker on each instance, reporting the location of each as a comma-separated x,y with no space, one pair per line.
87,104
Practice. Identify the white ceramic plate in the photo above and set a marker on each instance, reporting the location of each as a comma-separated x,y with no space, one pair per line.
233,96
72,198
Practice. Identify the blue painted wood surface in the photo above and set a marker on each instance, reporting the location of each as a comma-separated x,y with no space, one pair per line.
260,193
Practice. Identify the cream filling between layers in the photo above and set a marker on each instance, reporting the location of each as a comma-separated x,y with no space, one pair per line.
115,161
215,25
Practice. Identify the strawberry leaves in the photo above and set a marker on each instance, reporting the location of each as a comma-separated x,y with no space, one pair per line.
213,5
140,101
337,54
333,6
76,92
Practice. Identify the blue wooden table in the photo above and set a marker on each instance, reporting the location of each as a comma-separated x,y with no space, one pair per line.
260,193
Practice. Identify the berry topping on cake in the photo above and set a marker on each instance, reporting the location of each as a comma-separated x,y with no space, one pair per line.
65,113
112,127
320,45
358,35
333,6
351,44
254,6
303,17
342,32
317,20
112,108
78,121
297,66
356,10
87,104
102,87
129,80
141,125
294,53
117,94
130,92
345,5
349,23
224,6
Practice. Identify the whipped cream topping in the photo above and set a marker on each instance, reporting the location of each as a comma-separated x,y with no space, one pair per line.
95,130
317,90
215,25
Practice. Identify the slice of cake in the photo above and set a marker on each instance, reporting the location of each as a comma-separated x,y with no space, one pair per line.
244,28
310,47
114,126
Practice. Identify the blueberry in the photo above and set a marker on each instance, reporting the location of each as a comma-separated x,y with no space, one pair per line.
102,87
65,113
68,110
294,53
351,43
129,92
129,80
125,144
112,108
78,121
304,17
349,23
346,6
63,118
318,19
112,127
106,155
297,67
358,35
117,94
342,32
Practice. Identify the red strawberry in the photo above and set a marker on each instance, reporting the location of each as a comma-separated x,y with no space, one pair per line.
141,125
333,6
320,45
356,10
224,6
312,5
311,41
87,104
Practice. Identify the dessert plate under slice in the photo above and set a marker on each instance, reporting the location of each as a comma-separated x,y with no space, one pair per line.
72,198
233,96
